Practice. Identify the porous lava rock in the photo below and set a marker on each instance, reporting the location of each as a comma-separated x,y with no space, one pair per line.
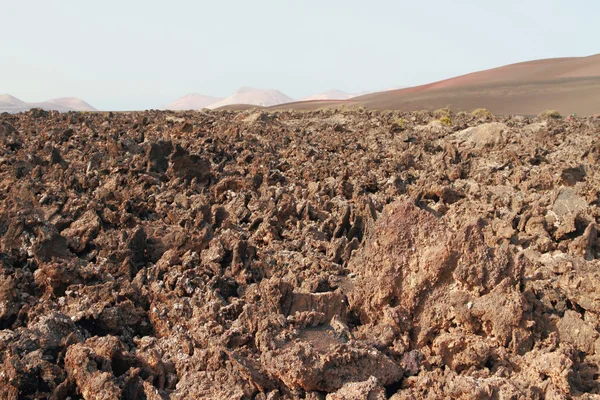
327,254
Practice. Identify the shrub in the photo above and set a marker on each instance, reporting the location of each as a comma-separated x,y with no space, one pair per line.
446,120
346,109
482,113
550,114
399,123
442,112
422,114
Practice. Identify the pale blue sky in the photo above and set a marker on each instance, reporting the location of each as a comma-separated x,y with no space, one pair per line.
131,54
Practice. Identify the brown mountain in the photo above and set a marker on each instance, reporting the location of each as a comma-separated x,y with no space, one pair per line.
569,85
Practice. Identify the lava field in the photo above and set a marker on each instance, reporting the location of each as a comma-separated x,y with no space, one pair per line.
329,254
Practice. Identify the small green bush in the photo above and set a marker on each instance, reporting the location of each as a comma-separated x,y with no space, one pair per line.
446,120
442,112
399,123
422,114
550,114
482,113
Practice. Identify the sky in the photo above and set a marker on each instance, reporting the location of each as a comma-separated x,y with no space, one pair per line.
131,55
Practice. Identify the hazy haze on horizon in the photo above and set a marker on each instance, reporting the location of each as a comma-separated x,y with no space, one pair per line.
119,55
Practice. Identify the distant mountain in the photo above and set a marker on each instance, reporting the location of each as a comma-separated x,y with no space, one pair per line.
387,90
8,100
11,104
70,103
332,94
255,97
192,101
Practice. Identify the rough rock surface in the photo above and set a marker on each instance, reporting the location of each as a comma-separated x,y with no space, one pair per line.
331,254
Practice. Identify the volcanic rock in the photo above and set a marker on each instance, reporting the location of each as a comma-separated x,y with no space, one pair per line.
289,255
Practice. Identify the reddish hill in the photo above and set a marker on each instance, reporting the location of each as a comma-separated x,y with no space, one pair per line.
529,71
569,85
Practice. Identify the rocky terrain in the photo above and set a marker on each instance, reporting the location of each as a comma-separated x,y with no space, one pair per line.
329,254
